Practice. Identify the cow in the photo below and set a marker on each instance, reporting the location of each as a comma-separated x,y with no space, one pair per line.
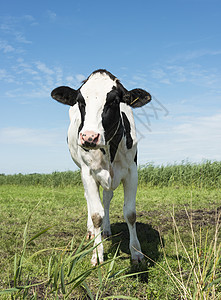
102,142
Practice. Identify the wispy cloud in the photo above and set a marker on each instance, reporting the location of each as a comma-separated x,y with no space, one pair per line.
38,78
52,15
191,137
5,47
43,68
189,73
14,28
20,37
194,54
31,137
6,77
80,78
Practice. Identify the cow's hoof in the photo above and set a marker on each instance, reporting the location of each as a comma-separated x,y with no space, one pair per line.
138,258
137,262
90,236
106,234
138,265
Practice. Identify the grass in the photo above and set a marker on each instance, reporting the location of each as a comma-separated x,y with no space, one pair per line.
43,229
204,175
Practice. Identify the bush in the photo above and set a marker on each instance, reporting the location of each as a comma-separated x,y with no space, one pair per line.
204,175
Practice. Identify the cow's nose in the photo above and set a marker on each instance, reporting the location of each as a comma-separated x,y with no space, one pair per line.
89,139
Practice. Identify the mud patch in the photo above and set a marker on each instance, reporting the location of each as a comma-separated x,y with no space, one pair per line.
62,234
97,220
164,222
199,217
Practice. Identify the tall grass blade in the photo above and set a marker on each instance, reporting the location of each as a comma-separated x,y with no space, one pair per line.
9,291
89,293
56,277
120,297
112,263
99,276
39,234
218,280
62,281
15,269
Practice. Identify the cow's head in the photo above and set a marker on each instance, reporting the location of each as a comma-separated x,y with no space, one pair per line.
99,100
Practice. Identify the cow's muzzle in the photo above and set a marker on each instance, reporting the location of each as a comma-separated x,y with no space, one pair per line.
89,139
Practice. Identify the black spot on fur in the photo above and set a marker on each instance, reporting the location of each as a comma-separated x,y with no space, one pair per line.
103,151
115,141
135,158
111,114
127,129
81,105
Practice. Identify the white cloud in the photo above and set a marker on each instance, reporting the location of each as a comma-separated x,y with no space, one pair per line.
6,77
13,27
52,15
158,73
69,78
58,75
195,74
29,18
31,137
195,54
21,38
5,47
192,137
42,67
80,77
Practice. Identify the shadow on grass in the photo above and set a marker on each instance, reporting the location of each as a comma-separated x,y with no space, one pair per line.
149,240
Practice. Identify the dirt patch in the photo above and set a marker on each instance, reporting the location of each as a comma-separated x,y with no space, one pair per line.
163,221
199,217
62,234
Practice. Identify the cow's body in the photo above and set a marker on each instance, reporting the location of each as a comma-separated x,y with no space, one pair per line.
102,142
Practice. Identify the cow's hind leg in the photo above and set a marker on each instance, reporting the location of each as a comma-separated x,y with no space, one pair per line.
130,189
107,196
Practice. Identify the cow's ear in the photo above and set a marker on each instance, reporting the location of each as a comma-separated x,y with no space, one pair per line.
65,95
136,98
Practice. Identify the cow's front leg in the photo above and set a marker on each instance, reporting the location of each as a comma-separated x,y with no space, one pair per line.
96,212
130,189
90,225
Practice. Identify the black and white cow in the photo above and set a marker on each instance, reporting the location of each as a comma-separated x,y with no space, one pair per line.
102,142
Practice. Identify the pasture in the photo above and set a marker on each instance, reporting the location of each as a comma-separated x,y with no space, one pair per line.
43,254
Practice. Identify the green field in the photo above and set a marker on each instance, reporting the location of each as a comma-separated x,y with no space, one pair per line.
43,223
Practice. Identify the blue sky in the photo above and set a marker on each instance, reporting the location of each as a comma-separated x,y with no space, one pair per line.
170,48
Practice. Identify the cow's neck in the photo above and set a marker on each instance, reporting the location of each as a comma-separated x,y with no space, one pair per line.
114,143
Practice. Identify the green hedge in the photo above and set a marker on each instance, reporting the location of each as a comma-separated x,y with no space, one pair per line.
204,175
56,179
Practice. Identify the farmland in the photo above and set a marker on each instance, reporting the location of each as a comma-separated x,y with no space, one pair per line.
43,222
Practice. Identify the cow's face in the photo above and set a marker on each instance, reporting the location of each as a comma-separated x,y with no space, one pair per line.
99,100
